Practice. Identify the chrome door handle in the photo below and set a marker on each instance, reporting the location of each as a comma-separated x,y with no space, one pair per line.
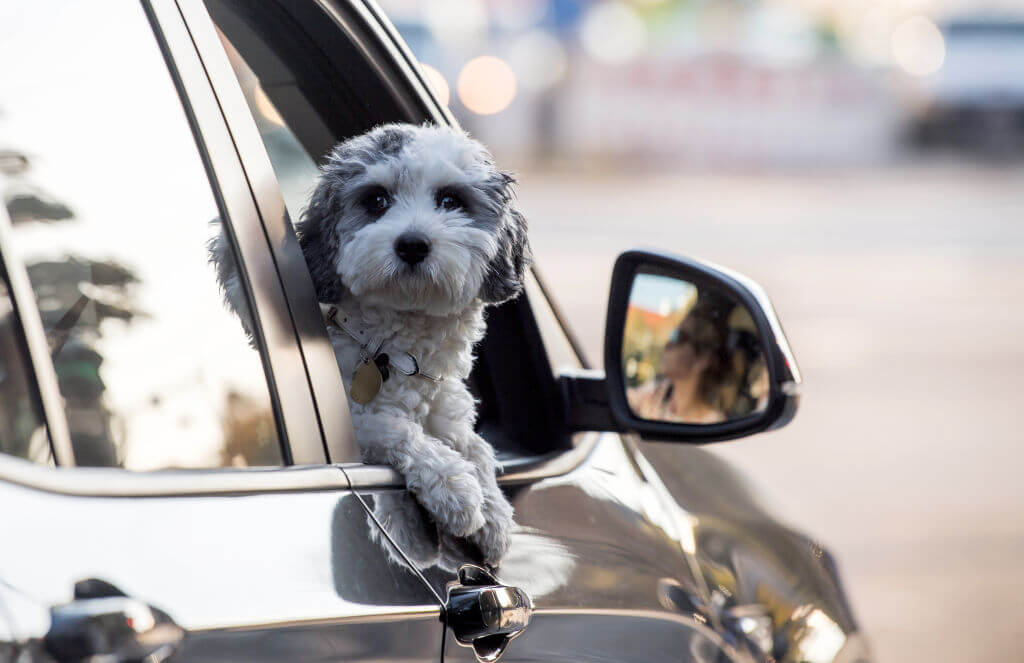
484,614
101,623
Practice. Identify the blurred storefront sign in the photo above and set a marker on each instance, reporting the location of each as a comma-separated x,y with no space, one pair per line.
712,110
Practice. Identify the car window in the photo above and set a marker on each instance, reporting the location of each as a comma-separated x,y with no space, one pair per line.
295,169
112,212
308,88
22,433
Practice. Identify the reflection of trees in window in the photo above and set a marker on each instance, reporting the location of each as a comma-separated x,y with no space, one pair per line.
21,431
25,201
75,296
249,436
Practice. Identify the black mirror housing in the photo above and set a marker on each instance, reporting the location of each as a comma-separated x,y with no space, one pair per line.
775,408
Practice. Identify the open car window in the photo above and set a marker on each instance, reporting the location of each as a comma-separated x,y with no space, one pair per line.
303,101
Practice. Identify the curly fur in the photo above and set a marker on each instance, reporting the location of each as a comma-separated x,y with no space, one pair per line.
433,310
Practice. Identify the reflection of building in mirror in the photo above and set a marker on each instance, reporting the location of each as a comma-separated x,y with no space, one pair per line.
691,355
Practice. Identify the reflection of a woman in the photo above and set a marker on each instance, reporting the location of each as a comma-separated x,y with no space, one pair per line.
689,375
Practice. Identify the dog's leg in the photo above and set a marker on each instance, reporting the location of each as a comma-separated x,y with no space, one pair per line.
451,418
443,481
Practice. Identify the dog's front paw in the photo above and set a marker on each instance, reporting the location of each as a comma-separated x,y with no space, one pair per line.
495,537
456,502
493,540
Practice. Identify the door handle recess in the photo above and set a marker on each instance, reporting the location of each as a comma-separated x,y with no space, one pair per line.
484,614
101,623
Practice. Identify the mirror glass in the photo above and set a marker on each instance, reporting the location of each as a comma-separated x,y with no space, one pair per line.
691,353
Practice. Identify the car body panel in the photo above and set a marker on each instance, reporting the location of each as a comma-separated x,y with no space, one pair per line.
984,63
755,566
976,97
596,549
291,576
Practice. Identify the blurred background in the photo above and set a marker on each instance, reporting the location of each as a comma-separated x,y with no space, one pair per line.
862,159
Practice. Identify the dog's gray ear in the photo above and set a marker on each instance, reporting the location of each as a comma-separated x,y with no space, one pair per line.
319,240
505,273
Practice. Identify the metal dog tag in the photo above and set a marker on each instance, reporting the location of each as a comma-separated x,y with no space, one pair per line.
366,383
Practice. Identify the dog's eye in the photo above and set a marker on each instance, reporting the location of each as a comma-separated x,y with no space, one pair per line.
450,200
376,201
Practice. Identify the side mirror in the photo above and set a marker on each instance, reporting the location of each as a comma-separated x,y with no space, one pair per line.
693,353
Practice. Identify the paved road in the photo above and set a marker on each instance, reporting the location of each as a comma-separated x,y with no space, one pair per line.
901,290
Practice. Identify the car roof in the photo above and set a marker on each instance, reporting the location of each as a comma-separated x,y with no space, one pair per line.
984,24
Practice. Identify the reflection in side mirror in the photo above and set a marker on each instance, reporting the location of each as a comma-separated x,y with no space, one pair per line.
690,353
693,353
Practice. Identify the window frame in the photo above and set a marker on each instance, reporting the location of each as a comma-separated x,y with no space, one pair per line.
41,372
297,419
381,48
310,338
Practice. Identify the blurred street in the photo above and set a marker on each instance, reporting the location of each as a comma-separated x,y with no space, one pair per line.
900,291
856,158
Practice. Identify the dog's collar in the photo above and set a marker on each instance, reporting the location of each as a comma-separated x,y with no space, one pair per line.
370,348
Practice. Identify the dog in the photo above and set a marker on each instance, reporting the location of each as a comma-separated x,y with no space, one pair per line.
410,232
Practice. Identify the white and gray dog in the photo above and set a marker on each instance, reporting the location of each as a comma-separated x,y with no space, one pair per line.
410,232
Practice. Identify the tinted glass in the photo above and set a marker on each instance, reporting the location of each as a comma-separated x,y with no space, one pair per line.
295,169
21,421
691,353
112,212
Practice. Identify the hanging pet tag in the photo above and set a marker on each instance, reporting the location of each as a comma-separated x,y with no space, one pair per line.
366,382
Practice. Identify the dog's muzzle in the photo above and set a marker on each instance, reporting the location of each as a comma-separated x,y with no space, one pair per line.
412,247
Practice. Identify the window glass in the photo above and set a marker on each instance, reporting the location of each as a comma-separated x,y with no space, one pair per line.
283,76
21,421
295,169
112,212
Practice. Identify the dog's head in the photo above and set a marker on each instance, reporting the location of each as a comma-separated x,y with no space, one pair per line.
414,218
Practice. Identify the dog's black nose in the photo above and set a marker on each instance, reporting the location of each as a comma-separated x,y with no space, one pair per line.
412,247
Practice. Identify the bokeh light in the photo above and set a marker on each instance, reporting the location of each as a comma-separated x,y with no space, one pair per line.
519,14
613,32
918,47
865,35
437,83
538,59
486,85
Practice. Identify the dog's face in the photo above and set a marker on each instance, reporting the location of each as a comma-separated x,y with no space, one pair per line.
414,219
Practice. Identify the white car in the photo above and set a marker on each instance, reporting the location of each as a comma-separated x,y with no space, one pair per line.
977,97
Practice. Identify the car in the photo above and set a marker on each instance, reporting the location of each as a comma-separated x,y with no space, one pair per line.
976,98
172,490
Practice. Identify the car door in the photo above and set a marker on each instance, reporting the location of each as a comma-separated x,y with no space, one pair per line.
145,440
602,550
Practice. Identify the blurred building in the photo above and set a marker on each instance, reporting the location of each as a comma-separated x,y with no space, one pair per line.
682,82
